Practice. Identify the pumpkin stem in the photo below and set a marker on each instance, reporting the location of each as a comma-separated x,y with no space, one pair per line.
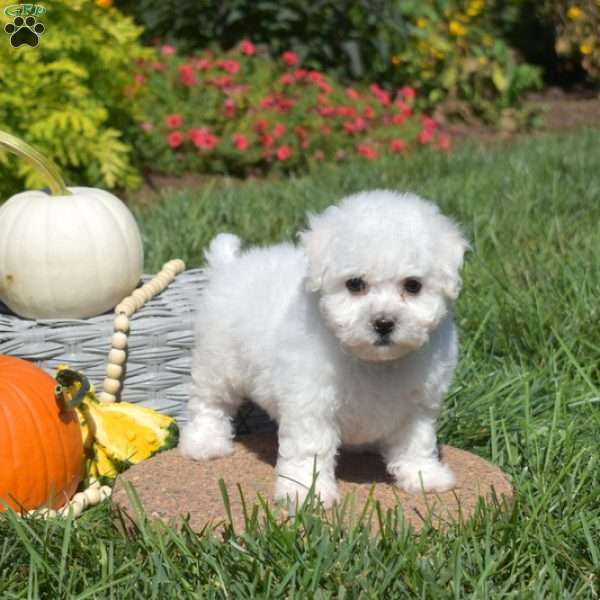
66,379
47,169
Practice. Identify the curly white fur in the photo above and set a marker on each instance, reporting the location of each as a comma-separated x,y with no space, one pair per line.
279,325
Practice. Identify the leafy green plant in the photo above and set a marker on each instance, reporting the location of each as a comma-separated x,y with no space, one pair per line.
66,95
241,112
577,26
454,55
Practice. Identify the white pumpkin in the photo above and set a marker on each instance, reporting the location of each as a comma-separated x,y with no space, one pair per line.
67,256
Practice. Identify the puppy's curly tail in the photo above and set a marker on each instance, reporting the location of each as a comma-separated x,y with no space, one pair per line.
223,249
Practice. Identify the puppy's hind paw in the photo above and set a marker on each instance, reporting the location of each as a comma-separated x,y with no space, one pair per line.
203,443
425,475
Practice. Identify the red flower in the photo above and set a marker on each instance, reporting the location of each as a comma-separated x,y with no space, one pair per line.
174,121
139,78
229,108
267,102
267,140
278,130
369,111
428,123
359,124
240,141
156,65
175,139
325,130
315,76
290,58
231,66
286,79
403,107
222,82
324,86
398,145
352,93
247,47
202,138
399,118
425,136
367,151
346,111
260,125
300,73
326,111
168,50
407,92
202,64
187,75
285,103
283,152
443,143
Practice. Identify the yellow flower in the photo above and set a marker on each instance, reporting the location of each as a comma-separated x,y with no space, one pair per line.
586,48
421,23
104,3
396,60
574,13
456,28
475,7
487,40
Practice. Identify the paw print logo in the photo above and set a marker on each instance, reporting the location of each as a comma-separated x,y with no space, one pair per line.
24,31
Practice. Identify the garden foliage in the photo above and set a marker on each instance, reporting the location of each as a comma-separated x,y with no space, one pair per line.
241,112
577,32
445,48
65,96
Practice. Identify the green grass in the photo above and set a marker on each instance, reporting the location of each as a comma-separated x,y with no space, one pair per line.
526,396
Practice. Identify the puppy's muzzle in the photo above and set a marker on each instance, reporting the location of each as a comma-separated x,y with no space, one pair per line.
383,326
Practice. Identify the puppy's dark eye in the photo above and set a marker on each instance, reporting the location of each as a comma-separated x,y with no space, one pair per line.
356,285
412,285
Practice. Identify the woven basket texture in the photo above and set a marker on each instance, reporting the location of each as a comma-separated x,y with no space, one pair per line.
159,355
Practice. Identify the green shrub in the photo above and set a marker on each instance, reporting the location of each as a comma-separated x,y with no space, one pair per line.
577,32
392,42
454,55
241,112
66,96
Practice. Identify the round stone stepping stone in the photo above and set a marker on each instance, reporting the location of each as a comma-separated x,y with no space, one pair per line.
170,486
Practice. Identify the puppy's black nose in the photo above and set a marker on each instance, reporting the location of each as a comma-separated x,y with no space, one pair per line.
383,326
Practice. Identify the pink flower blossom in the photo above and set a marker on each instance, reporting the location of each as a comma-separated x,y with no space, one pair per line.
240,141
168,50
425,136
369,111
315,76
283,152
325,130
267,102
285,103
156,65
407,92
175,139
222,82
428,123
300,73
247,47
229,108
147,126
352,94
202,64
187,75
174,121
229,65
278,130
202,138
404,108
260,125
367,151
443,143
324,86
398,145
290,58
286,79
267,140
399,118
139,78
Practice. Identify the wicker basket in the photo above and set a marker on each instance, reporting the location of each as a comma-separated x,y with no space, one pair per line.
161,337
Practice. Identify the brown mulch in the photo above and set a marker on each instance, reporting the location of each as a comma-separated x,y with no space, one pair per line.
171,487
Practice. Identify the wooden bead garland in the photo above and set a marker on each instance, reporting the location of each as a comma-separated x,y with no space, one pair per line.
123,311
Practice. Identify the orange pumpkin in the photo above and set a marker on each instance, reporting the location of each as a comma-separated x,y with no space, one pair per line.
41,449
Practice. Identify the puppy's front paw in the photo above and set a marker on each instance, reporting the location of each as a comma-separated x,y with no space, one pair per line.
423,475
202,440
294,493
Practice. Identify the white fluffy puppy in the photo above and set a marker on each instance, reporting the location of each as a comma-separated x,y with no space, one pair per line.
347,340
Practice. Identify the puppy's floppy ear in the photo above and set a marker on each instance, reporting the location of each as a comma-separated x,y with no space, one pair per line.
316,241
451,249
